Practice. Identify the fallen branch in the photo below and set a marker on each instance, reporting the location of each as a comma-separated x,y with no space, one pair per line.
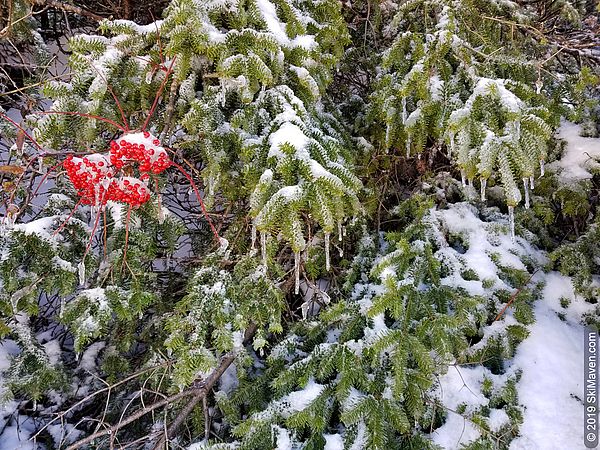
142,412
93,394
514,296
198,390
207,385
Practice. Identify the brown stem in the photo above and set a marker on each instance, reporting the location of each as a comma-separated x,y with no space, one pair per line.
127,9
514,296
170,108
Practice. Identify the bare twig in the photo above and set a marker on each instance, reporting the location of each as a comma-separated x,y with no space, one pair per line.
135,416
67,8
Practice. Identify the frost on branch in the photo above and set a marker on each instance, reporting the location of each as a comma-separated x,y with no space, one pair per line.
305,172
438,85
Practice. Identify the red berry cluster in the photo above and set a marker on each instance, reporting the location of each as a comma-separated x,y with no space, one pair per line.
94,175
130,190
89,175
142,148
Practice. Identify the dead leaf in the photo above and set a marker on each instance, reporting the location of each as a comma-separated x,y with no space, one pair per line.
15,170
8,186
20,140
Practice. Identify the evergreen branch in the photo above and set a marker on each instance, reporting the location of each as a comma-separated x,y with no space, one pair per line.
206,386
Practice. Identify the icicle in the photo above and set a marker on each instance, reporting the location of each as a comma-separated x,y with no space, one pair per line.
41,165
97,194
263,247
408,147
297,271
92,216
81,268
470,182
542,168
531,185
483,187
511,222
463,176
224,244
526,188
404,113
538,86
11,216
419,156
327,252
387,136
253,234
451,149
340,231
223,93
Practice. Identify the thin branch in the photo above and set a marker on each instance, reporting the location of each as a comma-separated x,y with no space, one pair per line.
93,394
67,8
514,296
142,412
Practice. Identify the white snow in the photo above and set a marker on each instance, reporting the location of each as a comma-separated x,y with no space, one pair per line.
461,385
284,441
550,359
581,155
300,400
552,382
88,358
333,442
483,242
277,28
291,134
40,227
498,418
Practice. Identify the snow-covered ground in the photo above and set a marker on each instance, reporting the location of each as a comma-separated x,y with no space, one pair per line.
550,360
580,156
551,385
